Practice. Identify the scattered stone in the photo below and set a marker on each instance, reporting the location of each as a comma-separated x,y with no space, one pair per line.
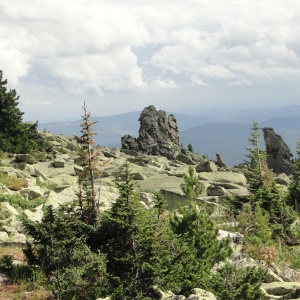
207,166
282,179
224,177
59,163
213,190
185,159
200,294
3,237
137,176
6,207
32,192
280,288
18,238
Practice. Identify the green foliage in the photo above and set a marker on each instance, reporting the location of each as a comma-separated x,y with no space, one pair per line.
199,231
84,277
264,191
190,147
294,187
193,188
232,283
257,160
54,237
126,233
16,136
290,256
17,201
6,262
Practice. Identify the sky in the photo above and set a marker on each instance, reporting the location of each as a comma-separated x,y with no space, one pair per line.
119,56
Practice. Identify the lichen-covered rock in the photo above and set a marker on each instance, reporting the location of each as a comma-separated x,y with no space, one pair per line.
279,156
25,158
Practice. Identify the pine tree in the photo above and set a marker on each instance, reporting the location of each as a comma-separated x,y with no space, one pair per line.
257,160
190,147
193,188
16,136
120,234
86,177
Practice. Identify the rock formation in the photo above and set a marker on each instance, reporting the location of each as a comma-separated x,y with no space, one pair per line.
279,156
158,134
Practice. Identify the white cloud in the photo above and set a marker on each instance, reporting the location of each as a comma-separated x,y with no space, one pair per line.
93,46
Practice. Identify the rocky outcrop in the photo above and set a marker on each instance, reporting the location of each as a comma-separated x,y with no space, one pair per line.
279,156
158,134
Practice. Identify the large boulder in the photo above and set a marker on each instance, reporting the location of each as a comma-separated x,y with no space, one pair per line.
281,288
158,134
279,156
224,177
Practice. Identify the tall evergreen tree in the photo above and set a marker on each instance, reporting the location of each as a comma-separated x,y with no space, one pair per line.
16,136
86,177
257,160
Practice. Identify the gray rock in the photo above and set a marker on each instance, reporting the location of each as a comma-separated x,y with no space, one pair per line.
137,176
280,288
185,159
290,275
25,158
4,189
216,191
59,163
200,294
34,216
18,238
32,192
282,179
3,237
279,156
220,163
224,177
236,237
6,207
207,166
158,134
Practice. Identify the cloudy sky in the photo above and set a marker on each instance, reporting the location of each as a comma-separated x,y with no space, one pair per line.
121,56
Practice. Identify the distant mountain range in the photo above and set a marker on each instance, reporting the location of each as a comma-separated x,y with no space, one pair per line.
226,134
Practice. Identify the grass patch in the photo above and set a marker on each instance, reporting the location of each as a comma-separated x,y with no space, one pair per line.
18,202
24,283
47,185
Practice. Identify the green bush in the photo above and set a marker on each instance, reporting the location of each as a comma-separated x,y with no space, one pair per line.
232,283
